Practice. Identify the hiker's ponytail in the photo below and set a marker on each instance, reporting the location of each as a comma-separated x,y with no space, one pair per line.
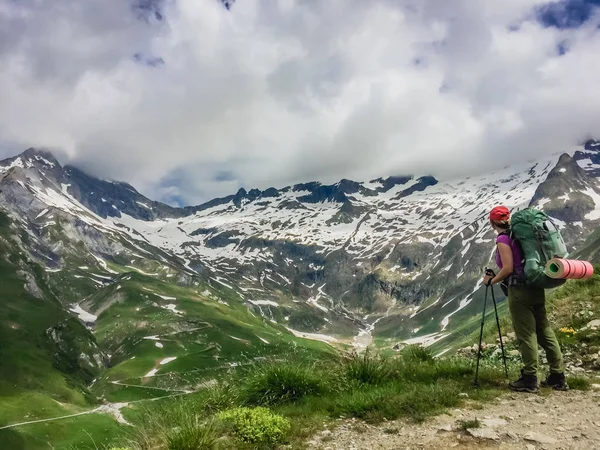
502,224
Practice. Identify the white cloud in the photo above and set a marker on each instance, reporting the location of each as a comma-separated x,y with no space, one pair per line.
286,91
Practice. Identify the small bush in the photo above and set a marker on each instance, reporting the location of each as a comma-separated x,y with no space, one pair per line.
417,353
578,383
174,425
218,398
367,368
256,425
276,384
190,437
465,425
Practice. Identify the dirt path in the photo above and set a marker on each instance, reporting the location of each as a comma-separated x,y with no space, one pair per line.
559,420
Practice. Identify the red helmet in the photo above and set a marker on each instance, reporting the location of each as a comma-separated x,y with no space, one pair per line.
500,214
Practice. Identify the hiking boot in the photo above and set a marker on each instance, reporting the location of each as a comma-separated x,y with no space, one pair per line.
556,381
527,383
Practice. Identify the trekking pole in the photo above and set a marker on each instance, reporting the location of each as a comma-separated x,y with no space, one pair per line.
499,333
476,383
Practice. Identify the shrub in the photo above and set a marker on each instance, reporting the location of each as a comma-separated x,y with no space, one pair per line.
367,368
465,425
256,425
417,353
217,398
193,437
578,383
276,384
173,425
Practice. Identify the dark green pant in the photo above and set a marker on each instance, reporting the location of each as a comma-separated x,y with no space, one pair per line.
528,311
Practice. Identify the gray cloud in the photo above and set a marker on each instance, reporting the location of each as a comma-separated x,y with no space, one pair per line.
273,93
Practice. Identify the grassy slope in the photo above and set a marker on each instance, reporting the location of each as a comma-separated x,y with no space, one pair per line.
214,333
590,249
310,393
221,336
37,380
84,432
29,359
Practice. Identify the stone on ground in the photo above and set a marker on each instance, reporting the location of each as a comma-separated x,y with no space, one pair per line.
484,433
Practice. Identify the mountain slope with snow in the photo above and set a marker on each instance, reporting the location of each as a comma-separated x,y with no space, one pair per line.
404,252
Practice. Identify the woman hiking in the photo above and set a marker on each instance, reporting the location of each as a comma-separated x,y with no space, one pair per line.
527,310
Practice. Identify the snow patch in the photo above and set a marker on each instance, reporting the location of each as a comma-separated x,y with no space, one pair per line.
594,215
42,214
168,360
173,308
264,303
151,373
542,201
144,205
313,336
426,340
16,163
83,315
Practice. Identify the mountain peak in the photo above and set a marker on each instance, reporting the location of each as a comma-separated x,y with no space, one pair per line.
32,152
30,158
40,155
592,145
389,182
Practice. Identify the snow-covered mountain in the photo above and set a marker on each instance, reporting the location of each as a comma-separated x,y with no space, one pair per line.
336,260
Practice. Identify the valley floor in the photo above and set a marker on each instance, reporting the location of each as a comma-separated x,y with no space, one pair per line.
549,420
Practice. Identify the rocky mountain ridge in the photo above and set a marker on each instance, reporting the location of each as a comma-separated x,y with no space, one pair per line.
328,259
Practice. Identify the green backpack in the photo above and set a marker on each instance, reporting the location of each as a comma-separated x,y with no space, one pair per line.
540,241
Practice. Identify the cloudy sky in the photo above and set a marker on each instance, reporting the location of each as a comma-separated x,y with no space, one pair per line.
187,100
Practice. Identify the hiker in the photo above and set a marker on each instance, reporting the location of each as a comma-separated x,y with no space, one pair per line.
527,310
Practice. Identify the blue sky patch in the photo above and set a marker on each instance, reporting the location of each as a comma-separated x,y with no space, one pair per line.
151,61
563,47
567,13
148,10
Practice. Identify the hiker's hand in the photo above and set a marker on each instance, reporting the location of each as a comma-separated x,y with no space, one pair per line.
487,280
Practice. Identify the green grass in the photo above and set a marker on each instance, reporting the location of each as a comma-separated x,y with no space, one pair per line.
275,383
18,405
412,385
367,368
41,344
579,383
465,425
194,436
83,432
